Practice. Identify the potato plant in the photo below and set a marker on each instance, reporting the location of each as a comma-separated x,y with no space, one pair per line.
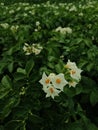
49,66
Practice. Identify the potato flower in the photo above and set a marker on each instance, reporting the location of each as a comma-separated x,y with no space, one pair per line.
45,81
52,75
27,49
34,48
53,84
14,28
70,65
51,91
59,81
68,30
37,23
73,8
72,83
74,71
4,25
64,30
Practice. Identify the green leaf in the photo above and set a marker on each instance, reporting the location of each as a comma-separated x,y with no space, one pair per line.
1,127
88,42
6,81
13,125
10,67
78,89
19,76
29,66
92,126
90,66
4,91
70,92
5,87
7,104
20,70
88,124
94,97
23,127
50,65
88,84
35,118
51,59
75,126
59,67
21,112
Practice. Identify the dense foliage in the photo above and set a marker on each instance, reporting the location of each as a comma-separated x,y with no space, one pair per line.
37,1
37,39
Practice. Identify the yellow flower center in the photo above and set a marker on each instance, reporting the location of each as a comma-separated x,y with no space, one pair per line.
47,81
51,90
58,81
73,72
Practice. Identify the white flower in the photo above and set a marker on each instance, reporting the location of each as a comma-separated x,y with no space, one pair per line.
36,30
64,30
25,14
45,81
73,8
37,23
27,49
53,84
19,8
72,84
4,25
67,7
58,29
11,11
75,73
36,48
36,51
2,4
62,57
59,81
68,30
32,12
14,28
73,70
81,14
22,91
26,8
70,65
51,76
51,91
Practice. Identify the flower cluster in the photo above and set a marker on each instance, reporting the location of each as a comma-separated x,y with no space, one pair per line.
73,8
14,28
64,30
4,25
34,48
74,73
38,27
73,70
54,84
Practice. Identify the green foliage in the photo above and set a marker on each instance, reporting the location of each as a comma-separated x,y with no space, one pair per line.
35,1
5,87
23,105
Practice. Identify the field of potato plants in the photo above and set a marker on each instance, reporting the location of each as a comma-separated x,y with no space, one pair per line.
49,66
